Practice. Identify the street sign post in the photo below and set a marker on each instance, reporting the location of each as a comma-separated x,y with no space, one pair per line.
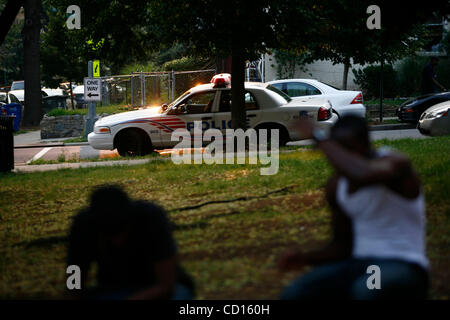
92,89
92,93
96,67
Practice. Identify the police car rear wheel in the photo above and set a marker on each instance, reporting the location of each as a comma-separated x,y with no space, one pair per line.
283,135
133,143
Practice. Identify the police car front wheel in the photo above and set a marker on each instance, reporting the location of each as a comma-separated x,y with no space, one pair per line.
133,143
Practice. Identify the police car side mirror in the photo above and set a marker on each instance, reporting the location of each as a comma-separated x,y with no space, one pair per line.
164,107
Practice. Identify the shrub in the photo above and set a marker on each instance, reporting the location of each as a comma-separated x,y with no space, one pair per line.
409,73
185,64
368,80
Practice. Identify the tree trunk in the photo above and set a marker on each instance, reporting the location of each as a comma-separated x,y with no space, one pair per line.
31,37
238,115
346,68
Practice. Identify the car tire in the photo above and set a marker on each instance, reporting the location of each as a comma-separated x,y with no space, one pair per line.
133,143
283,134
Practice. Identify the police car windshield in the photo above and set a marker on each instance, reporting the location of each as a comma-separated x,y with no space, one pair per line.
281,93
174,103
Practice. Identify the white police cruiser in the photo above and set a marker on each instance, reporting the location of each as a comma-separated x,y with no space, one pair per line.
139,132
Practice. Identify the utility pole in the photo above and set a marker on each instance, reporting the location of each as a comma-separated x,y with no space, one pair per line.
381,89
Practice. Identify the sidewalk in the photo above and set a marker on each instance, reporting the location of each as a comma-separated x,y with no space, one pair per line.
33,139
77,165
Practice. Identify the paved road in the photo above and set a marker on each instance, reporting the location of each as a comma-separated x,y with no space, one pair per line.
23,156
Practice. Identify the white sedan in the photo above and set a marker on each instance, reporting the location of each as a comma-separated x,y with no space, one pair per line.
344,102
139,132
435,121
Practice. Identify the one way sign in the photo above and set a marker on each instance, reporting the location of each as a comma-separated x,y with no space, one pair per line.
92,89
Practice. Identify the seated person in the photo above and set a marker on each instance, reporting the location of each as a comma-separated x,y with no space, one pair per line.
131,242
378,216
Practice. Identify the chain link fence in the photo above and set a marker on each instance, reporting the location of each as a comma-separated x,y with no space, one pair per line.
151,88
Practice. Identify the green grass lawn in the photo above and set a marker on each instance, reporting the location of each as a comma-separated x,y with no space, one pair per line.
230,248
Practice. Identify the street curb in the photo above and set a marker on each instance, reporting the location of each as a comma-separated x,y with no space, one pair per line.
400,126
78,165
46,145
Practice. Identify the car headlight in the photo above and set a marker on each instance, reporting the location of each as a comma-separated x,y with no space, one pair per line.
102,130
437,114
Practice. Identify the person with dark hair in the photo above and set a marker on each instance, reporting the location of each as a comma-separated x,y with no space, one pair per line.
378,222
131,242
429,83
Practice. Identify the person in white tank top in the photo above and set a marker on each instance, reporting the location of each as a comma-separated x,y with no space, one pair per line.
378,216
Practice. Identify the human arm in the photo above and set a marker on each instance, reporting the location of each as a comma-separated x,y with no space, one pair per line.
360,170
438,84
337,249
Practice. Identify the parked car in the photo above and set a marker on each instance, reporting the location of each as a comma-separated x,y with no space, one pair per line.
18,90
78,94
411,110
8,97
138,132
53,92
344,102
435,121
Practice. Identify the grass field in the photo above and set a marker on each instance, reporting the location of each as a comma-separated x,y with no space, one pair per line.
230,248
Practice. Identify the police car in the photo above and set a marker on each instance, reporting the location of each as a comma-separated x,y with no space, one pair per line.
139,132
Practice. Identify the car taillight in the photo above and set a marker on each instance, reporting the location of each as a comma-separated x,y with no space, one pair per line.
357,99
409,110
323,114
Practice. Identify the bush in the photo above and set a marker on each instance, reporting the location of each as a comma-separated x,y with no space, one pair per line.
443,72
410,74
185,64
368,79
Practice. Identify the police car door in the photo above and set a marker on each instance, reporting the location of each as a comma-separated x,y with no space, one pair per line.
195,107
222,116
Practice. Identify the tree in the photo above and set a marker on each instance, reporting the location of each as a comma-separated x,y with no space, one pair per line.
237,28
345,38
31,38
64,53
11,53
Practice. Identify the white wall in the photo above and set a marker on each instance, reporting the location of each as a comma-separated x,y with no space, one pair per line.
323,71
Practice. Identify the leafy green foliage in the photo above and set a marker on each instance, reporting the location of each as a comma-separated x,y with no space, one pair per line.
290,61
11,53
369,80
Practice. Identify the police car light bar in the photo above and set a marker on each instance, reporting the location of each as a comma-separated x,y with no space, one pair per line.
221,80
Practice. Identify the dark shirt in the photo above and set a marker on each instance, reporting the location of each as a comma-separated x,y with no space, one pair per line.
148,240
428,74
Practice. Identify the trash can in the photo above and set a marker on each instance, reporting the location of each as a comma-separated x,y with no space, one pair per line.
13,109
6,143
